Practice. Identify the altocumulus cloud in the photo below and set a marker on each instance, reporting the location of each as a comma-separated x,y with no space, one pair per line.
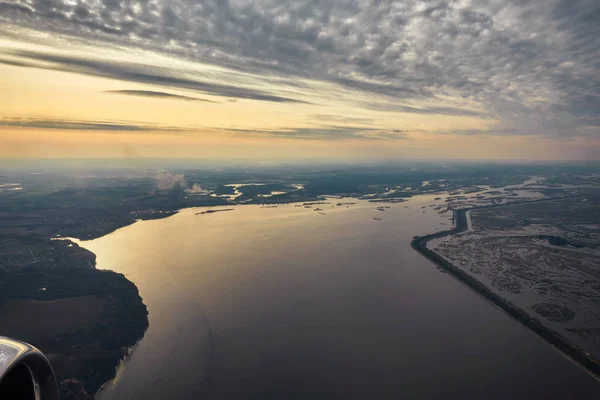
515,59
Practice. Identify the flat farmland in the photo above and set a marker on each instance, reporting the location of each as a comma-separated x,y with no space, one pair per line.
34,320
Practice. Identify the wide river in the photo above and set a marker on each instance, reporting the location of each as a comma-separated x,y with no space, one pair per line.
288,303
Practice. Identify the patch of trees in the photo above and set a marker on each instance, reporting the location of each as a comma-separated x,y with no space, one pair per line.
122,324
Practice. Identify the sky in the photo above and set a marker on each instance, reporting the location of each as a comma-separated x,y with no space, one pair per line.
309,79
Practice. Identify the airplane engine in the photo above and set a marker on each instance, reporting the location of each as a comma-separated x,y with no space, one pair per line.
25,373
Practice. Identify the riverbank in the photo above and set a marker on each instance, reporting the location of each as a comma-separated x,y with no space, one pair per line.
332,313
591,364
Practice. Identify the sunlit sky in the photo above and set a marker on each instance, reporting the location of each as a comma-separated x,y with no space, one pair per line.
274,78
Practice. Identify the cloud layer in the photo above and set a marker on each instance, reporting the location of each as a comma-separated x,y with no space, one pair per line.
154,94
137,72
68,125
330,132
533,66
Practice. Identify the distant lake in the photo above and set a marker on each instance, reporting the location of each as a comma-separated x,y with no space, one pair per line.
289,303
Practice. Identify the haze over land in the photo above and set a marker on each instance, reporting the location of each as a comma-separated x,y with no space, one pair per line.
323,299
257,244
434,79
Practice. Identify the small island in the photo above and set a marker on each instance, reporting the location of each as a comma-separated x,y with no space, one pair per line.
214,211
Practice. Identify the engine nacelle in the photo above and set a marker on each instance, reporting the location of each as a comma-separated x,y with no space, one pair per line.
25,372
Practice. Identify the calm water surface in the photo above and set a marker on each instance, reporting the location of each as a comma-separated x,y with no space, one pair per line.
286,303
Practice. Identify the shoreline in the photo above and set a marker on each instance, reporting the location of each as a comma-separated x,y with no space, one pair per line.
419,243
119,367
572,352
